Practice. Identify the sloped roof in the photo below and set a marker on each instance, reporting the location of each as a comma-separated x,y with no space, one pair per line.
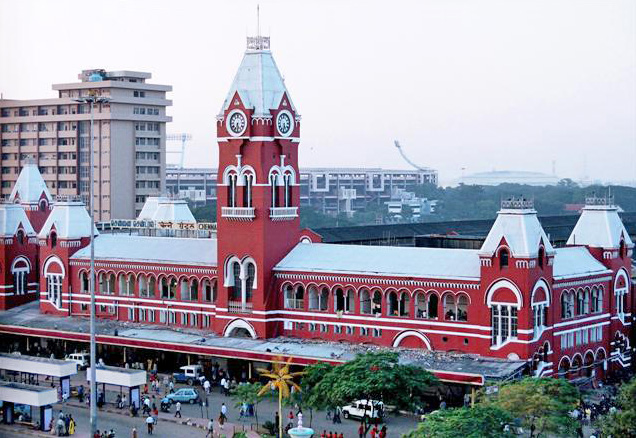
576,262
522,231
258,82
11,216
458,264
30,186
164,209
165,250
599,226
70,219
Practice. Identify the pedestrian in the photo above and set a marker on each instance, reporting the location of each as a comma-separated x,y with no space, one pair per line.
133,434
80,393
171,386
150,422
277,420
341,435
361,431
330,435
323,434
227,386
206,386
374,431
178,411
383,432
124,401
71,425
210,429
290,416
97,434
224,411
223,385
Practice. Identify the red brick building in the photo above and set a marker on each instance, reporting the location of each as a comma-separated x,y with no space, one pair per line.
566,311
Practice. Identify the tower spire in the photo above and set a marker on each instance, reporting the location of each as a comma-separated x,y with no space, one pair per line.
258,42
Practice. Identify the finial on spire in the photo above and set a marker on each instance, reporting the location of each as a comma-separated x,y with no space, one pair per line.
258,42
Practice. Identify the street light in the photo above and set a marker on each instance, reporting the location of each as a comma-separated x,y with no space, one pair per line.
92,99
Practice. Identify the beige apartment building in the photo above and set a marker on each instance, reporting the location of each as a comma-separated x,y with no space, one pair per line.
129,133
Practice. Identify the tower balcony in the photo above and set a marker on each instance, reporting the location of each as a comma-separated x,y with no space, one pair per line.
283,213
238,213
239,307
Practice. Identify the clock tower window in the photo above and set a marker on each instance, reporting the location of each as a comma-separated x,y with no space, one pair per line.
287,181
248,180
231,191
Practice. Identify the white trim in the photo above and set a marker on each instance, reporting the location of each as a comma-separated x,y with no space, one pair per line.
501,284
408,333
239,323
582,320
548,292
586,327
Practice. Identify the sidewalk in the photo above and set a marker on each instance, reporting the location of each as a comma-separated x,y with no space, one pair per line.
201,423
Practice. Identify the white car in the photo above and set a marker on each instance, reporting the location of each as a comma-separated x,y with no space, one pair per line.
372,408
81,359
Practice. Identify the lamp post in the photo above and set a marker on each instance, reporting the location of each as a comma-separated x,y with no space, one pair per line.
92,99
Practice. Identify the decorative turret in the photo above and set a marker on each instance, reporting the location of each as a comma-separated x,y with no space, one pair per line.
69,220
601,229
31,192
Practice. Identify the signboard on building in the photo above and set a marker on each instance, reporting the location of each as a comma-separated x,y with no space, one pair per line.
161,225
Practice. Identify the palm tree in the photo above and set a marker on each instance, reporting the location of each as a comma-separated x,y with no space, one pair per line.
281,379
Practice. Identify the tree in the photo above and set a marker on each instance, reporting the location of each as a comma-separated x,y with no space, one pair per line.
248,393
482,421
623,422
543,405
280,379
370,376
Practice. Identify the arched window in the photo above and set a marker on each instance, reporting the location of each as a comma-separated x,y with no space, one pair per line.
206,286
295,297
214,291
273,183
405,301
392,304
289,296
586,301
84,282
450,313
599,299
287,181
42,205
566,311
420,305
377,302
540,257
580,302
54,274
504,320
172,291
20,236
53,240
314,299
194,290
165,287
365,301
184,289
248,180
152,287
231,190
621,249
350,301
433,304
462,308
324,299
339,301
20,271
503,258
126,285
249,282
236,291
142,280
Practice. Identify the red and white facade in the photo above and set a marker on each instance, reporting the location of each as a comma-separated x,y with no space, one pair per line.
567,311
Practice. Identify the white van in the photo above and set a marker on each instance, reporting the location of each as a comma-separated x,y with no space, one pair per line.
372,408
81,359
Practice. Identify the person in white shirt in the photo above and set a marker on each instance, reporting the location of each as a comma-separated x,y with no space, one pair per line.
206,386
223,382
178,411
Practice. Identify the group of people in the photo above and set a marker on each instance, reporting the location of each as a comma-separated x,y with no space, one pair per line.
64,426
104,434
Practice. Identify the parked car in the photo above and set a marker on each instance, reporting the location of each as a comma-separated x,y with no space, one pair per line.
81,359
183,395
373,409
190,374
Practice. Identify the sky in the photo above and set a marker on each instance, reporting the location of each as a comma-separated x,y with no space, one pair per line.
480,85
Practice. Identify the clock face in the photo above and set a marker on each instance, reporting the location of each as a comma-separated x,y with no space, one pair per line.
236,123
285,123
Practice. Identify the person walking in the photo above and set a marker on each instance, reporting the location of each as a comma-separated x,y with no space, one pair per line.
150,422
361,430
210,429
224,412
227,386
178,411
223,381
206,386
171,386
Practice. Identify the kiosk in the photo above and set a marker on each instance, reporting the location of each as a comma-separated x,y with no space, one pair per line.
12,393
33,366
122,377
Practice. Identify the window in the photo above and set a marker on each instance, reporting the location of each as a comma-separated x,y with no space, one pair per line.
449,308
287,180
377,332
131,314
273,179
567,304
53,240
337,329
20,271
231,191
350,330
365,302
364,331
540,257
54,289
84,283
248,180
377,303
433,302
503,259
324,328
504,322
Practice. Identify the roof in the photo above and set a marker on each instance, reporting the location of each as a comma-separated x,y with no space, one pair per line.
599,226
11,216
576,262
30,186
459,264
258,82
164,209
70,219
521,230
164,250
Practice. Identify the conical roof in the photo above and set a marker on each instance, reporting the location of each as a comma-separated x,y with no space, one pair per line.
258,80
11,216
70,220
30,186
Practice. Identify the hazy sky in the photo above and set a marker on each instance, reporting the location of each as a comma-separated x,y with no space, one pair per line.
506,85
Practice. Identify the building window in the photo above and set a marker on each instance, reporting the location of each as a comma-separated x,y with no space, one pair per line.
503,258
567,305
364,331
504,323
377,333
248,180
540,257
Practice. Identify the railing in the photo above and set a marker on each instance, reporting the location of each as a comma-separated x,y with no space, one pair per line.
239,307
295,304
238,213
283,213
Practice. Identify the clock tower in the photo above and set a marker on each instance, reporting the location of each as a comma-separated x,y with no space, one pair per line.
258,195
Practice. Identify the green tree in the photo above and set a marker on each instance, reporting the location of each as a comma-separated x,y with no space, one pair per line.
623,422
482,421
249,394
370,376
543,405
